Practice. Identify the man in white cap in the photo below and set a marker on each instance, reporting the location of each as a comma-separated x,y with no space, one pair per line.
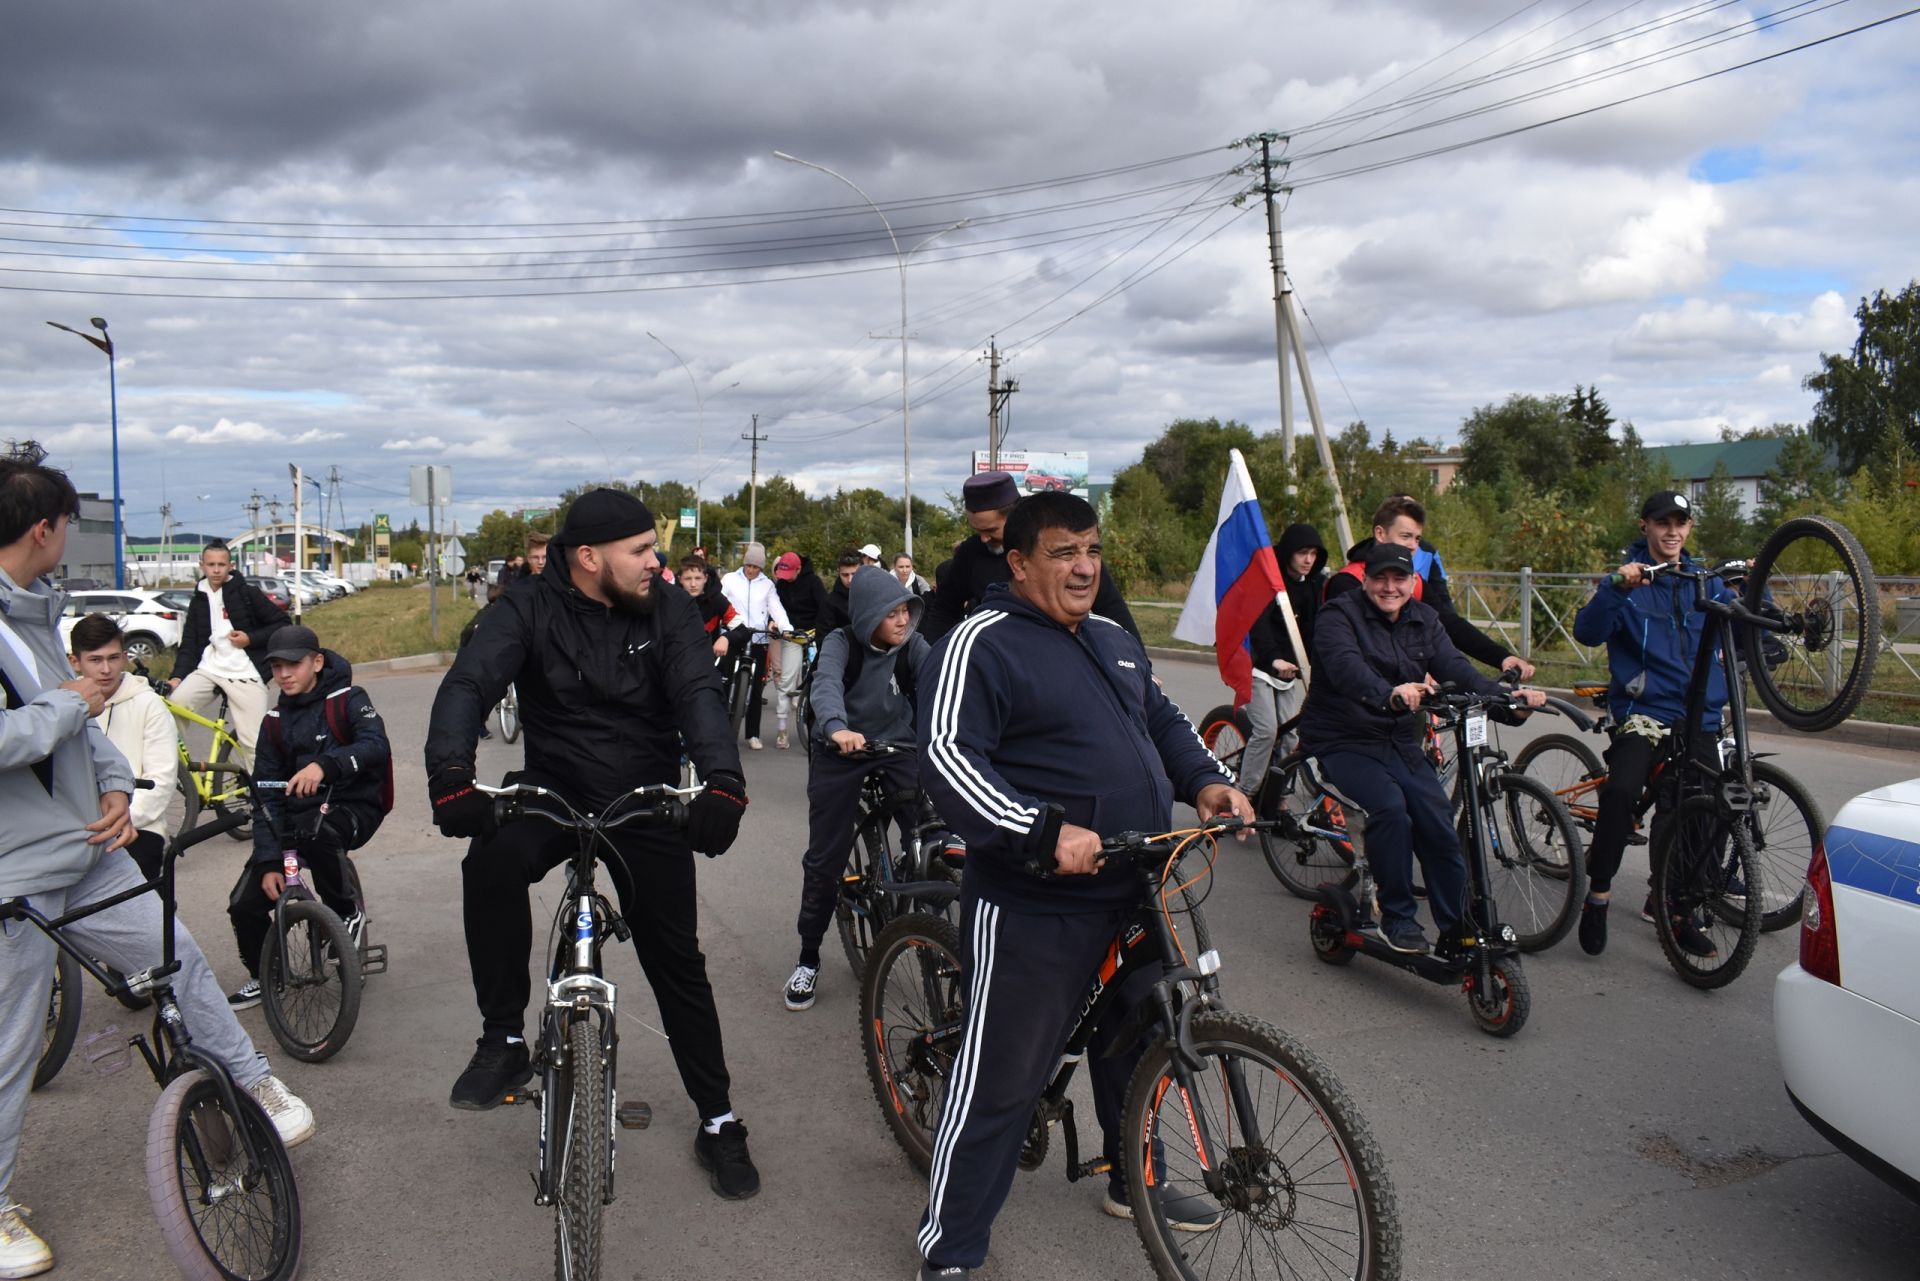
870,554
757,601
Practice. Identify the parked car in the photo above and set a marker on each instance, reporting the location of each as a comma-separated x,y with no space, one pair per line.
175,598
1847,1013
150,624
282,591
84,585
324,584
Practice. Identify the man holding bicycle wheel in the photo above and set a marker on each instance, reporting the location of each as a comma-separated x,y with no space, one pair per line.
1652,634
614,672
1042,732
65,824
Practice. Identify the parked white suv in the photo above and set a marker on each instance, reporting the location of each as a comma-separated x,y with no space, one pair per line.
1847,1014
150,624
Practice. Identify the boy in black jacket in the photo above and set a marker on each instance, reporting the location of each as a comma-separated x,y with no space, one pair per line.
1279,687
336,763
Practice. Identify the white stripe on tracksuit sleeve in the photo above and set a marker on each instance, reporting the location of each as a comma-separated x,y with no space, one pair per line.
962,718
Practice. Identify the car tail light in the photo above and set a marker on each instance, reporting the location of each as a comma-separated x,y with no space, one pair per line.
168,614
1819,928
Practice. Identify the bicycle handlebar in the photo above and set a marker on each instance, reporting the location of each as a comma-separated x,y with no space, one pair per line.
1148,848
874,749
668,806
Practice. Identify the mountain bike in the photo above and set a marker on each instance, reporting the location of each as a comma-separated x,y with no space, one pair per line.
312,964
1785,825
881,871
1222,1106
216,1169
1481,953
507,711
573,1058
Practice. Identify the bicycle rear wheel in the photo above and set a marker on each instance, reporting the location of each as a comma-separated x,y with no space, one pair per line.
1303,861
1708,925
1307,1188
1536,862
585,1122
223,1214
1813,570
1786,827
310,981
1225,730
508,711
1572,770
910,1017
63,1019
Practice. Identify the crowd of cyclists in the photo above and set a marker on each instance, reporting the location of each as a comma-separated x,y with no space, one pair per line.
1017,673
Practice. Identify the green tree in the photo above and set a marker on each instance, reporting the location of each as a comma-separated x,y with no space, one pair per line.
1191,458
1877,386
1802,479
500,535
1721,530
1145,539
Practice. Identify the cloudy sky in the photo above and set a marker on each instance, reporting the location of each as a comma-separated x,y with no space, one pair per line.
366,236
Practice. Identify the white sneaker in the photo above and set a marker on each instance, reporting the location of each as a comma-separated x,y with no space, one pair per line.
291,1117
754,744
780,740
799,994
22,1252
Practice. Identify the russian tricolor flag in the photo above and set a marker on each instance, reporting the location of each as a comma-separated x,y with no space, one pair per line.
1238,578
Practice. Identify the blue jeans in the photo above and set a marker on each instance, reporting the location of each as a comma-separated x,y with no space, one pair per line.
1408,815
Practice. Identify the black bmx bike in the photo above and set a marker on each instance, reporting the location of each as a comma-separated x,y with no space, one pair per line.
1224,1110
574,1055
216,1168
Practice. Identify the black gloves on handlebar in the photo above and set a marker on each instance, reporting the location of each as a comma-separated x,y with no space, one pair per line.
713,817
459,808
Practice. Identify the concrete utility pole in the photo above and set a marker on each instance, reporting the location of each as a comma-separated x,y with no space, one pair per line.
998,394
1287,340
299,534
166,542
753,481
432,567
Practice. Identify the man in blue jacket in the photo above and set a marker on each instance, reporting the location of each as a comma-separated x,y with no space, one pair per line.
1652,633
1036,701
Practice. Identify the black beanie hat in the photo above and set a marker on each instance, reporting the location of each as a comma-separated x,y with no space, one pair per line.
603,516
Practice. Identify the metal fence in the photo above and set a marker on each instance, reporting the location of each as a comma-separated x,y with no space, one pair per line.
1531,611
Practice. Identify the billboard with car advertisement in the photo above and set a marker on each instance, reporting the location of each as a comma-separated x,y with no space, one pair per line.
1036,471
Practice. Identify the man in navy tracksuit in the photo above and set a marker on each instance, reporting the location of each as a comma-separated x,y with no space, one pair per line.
1037,701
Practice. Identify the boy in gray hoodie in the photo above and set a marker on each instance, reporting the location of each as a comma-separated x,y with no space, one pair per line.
862,693
65,823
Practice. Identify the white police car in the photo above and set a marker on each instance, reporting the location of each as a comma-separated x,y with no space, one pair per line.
1847,1014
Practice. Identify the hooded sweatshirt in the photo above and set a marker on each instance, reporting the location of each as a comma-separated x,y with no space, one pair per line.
354,771
874,705
138,723
55,763
1269,636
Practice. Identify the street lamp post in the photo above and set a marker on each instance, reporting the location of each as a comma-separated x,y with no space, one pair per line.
105,343
700,437
906,431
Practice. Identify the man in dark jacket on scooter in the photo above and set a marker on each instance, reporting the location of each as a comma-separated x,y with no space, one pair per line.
1376,653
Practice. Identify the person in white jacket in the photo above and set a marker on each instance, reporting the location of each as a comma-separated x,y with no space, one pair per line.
754,597
138,723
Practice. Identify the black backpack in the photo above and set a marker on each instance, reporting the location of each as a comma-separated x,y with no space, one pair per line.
856,663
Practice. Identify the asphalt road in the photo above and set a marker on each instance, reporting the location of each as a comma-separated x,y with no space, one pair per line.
1635,1129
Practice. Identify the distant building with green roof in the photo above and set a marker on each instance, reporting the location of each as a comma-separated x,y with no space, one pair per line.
1747,463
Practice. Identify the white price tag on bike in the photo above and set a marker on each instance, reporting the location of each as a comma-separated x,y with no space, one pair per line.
1477,730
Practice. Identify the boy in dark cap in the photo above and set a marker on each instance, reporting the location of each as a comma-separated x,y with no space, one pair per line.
980,561
327,747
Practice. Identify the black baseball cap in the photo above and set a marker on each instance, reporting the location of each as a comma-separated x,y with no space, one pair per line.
293,643
1666,503
1385,556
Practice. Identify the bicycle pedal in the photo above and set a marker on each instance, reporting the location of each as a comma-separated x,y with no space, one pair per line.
373,958
1087,1169
634,1115
528,1093
105,1053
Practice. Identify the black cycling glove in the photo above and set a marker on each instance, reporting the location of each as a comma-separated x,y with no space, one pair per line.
459,808
713,817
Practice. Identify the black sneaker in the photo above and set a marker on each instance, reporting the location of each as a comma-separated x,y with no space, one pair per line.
494,1071
1691,938
1404,936
246,996
928,1272
1593,927
724,1157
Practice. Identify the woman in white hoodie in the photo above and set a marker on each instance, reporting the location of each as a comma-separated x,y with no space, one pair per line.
136,721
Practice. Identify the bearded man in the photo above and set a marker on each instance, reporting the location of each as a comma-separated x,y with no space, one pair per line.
614,672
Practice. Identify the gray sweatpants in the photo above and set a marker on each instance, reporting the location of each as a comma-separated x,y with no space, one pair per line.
1268,709
126,937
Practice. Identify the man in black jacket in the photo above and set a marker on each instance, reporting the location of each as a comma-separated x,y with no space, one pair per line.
334,798
223,644
980,561
614,672
1279,687
1036,701
1376,652
1403,520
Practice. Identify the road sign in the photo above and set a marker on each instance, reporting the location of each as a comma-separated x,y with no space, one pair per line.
442,484
686,518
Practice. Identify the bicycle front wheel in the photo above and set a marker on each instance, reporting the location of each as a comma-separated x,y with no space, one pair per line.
1813,571
221,1185
1307,1190
1536,862
580,1184
861,913
1786,827
1705,912
910,1018
63,1019
229,791
310,981
509,714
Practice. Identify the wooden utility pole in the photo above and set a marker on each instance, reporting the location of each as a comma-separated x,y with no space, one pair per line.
753,481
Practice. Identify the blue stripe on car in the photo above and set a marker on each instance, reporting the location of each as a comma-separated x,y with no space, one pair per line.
1876,864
